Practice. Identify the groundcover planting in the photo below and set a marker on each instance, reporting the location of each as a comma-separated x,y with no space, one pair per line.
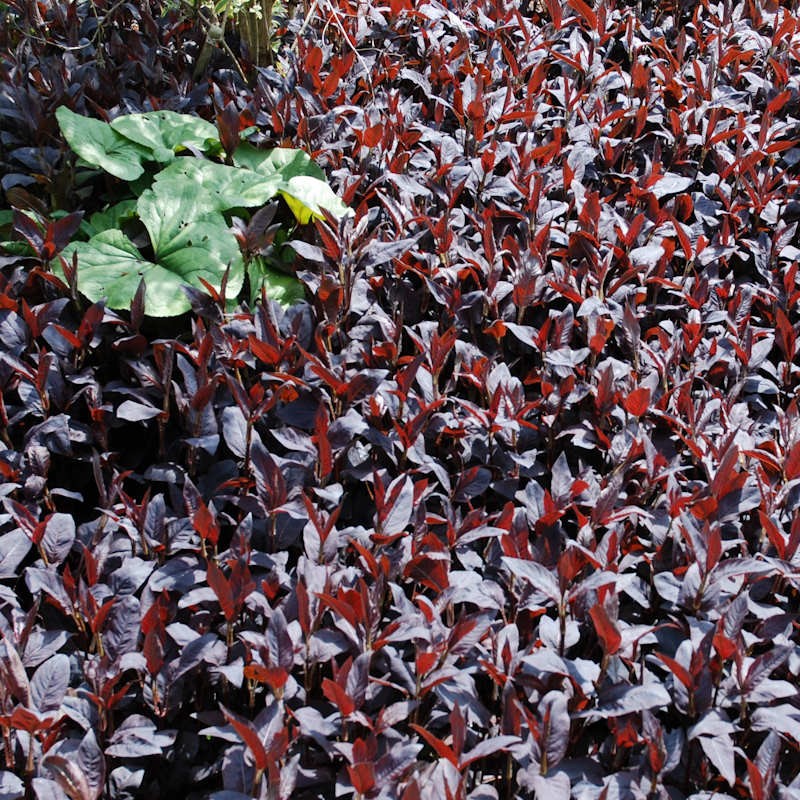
506,506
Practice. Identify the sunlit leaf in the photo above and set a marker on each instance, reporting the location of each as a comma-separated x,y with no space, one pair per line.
98,144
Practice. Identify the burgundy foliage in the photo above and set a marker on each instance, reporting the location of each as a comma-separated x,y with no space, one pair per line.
508,508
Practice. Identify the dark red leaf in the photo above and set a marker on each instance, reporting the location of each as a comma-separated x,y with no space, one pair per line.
250,736
637,402
609,636
222,589
439,747
338,696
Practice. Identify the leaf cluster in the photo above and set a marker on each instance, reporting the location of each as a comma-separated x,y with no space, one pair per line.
182,208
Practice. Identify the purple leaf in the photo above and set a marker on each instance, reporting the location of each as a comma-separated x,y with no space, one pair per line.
670,184
561,480
556,723
767,758
206,648
93,764
307,251
553,787
69,777
471,483
358,678
234,430
399,505
392,764
719,751
14,547
524,333
138,737
50,683
47,789
179,574
624,699
59,534
487,747
647,256
537,576
121,631
11,787
13,673
136,412
783,718
764,665
13,333
42,644
281,648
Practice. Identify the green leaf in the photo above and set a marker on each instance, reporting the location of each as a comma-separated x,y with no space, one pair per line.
6,227
182,210
216,187
110,265
307,197
259,176
112,217
164,132
17,248
287,162
98,144
175,231
303,183
284,289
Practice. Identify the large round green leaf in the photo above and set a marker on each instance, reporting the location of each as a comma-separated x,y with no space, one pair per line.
164,132
287,162
257,178
178,230
98,144
110,265
215,187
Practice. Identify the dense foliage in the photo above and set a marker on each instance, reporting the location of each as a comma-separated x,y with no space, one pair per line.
507,507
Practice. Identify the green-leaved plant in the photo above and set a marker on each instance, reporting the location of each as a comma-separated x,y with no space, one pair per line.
184,210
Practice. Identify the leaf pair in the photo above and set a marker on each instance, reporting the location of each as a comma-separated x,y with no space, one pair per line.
122,147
